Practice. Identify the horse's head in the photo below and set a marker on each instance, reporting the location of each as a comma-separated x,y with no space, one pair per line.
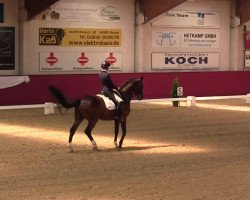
138,88
133,87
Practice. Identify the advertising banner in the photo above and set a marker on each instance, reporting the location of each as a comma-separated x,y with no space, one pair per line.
85,12
80,37
185,60
188,19
7,48
247,40
189,39
247,58
78,61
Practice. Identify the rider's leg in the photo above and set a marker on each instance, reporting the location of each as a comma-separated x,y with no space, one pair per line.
118,113
118,102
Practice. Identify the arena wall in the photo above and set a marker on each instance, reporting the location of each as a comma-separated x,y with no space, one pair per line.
156,85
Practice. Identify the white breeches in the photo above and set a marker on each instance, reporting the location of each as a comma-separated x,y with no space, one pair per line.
117,98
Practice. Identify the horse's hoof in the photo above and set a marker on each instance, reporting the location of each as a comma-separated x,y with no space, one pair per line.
116,145
95,148
71,151
94,145
70,148
119,148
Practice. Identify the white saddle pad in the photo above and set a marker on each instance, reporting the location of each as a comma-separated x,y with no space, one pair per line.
109,103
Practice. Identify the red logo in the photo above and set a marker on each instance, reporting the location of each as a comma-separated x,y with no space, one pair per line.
51,59
83,60
111,59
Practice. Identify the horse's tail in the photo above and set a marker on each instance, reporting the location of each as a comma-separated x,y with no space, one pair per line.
62,99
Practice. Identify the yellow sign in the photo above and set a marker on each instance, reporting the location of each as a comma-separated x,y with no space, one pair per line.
78,37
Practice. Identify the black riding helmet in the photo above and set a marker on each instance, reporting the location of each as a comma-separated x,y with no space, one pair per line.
105,65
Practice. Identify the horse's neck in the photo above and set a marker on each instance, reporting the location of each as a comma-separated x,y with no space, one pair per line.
127,96
127,92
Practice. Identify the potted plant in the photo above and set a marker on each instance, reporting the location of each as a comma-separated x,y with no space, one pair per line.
174,91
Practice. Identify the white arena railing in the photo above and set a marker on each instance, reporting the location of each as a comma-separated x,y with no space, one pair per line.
48,107
191,102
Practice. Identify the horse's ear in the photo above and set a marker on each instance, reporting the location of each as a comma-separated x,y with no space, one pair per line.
141,79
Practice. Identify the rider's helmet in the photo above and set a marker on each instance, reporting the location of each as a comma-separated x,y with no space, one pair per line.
105,65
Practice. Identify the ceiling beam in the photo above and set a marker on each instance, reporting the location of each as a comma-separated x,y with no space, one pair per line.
35,7
153,8
242,10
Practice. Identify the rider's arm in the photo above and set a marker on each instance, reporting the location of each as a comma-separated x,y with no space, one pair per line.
111,84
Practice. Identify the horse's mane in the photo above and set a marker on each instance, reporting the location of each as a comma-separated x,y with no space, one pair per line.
127,83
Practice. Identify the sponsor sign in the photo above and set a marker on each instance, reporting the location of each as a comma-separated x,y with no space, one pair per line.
247,58
1,13
80,37
189,39
7,48
179,91
183,61
247,40
85,12
78,61
188,19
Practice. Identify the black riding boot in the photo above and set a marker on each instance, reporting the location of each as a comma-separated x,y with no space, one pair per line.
118,113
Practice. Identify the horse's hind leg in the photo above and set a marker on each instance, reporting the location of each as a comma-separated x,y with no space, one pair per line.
88,130
78,121
72,132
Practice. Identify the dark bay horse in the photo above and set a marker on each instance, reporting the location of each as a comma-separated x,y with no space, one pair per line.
92,108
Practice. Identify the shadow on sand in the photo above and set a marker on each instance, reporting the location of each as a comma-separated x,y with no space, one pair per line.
123,149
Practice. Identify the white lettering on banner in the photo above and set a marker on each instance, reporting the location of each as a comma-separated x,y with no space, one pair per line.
191,39
185,61
188,19
78,61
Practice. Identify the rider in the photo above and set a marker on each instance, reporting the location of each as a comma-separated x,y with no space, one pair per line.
108,88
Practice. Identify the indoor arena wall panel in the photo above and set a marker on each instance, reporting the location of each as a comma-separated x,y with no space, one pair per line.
156,85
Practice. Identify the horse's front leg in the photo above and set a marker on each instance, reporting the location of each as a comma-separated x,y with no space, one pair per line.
124,131
117,123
